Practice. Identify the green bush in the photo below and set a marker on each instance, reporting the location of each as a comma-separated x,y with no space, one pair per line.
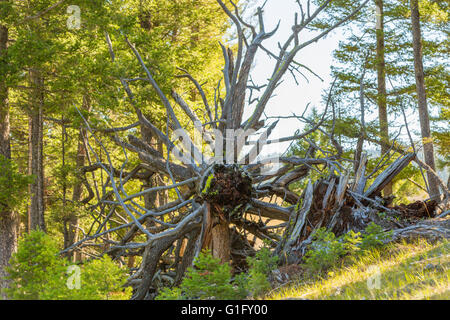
37,272
208,279
326,249
102,279
35,269
174,293
352,242
260,267
373,236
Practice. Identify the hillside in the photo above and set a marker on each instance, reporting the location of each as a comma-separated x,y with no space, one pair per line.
402,271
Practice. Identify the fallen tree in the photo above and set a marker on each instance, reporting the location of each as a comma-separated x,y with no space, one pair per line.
225,204
340,206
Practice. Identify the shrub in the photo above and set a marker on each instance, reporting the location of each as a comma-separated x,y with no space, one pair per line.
208,279
260,267
326,249
37,272
102,279
352,242
35,269
373,236
174,293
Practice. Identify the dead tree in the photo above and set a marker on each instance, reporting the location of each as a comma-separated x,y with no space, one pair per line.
218,203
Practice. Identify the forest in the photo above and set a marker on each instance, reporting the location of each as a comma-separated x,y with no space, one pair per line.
144,154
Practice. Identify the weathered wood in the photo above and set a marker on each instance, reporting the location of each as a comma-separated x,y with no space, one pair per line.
328,193
228,204
389,174
293,176
360,179
432,230
444,214
340,191
289,242
302,214
269,210
220,242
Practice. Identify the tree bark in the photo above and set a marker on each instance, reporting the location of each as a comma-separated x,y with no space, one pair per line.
217,236
159,198
150,259
5,146
428,148
220,242
71,224
381,84
35,152
8,219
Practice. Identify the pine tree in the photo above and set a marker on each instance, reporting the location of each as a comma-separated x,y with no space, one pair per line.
428,148
363,50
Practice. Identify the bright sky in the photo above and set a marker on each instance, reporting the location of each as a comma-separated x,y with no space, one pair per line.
291,97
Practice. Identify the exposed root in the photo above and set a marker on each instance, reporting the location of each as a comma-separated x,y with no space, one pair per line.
228,188
417,210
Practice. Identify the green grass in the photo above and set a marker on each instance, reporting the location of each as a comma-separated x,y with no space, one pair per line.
402,271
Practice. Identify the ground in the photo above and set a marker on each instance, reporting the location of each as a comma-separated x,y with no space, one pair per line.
401,271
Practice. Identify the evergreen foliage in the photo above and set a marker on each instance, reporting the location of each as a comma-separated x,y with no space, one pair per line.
37,272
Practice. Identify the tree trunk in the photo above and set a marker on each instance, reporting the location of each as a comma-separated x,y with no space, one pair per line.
220,242
35,153
381,82
154,199
71,224
217,236
8,219
428,149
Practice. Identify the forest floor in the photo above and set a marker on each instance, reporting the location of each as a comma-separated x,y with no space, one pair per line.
401,271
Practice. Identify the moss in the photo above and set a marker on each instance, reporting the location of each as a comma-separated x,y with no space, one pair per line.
281,66
299,204
208,184
235,211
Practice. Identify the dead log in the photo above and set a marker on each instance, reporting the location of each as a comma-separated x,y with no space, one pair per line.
340,191
323,204
297,222
360,179
335,204
417,210
432,230
328,193
389,174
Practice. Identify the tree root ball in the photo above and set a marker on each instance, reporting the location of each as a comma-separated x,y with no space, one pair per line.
417,210
227,186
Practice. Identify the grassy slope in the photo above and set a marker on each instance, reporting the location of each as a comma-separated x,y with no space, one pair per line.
399,271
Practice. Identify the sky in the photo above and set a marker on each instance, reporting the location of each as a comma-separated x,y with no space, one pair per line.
290,97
